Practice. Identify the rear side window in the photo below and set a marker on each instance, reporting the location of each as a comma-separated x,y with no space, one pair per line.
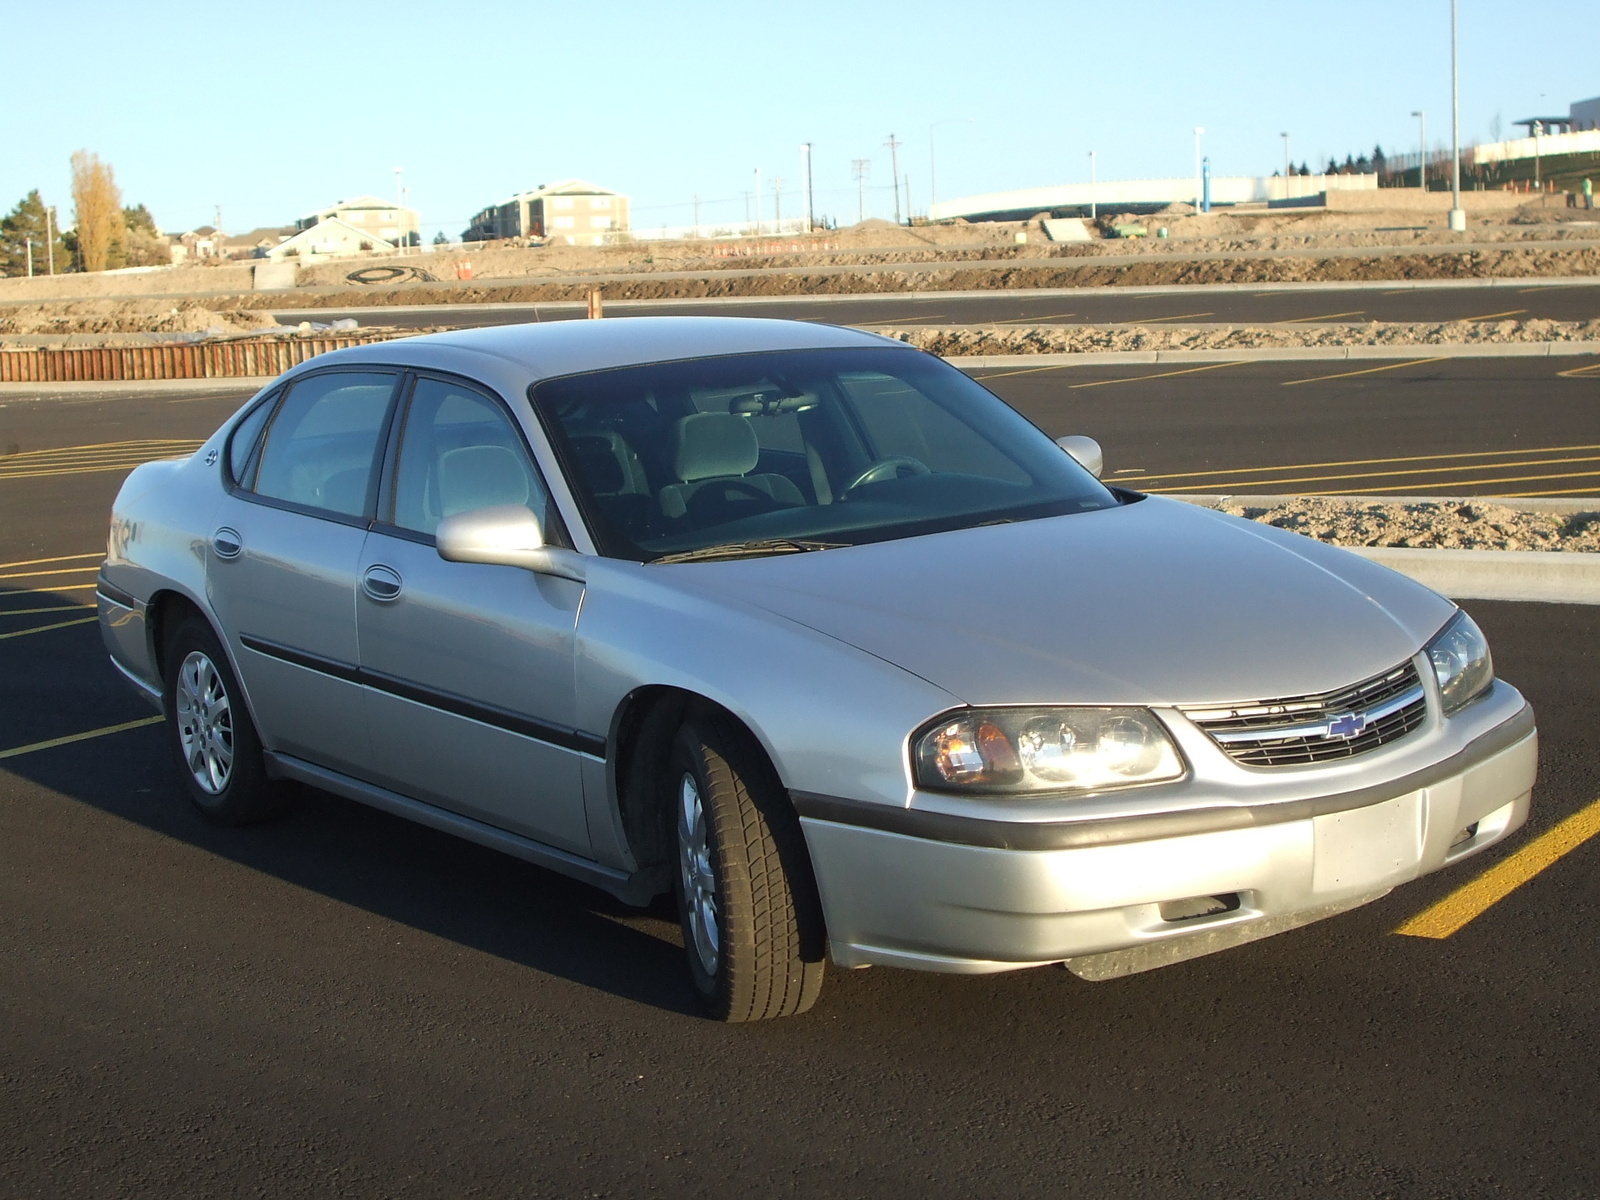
321,449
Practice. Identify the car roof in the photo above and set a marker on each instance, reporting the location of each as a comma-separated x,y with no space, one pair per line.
554,348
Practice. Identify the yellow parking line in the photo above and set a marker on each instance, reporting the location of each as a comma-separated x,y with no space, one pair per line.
1030,370
1372,462
1179,317
52,608
36,562
1491,316
1158,375
1537,462
1323,317
1579,372
118,466
45,628
80,737
56,571
886,321
1416,362
1499,881
1595,475
1025,320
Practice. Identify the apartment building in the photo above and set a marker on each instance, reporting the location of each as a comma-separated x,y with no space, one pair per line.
383,220
571,211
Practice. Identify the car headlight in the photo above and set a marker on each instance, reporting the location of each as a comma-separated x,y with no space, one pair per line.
1008,751
1461,663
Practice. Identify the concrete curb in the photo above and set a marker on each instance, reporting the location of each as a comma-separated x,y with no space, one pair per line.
1107,358
242,384
1164,289
1552,577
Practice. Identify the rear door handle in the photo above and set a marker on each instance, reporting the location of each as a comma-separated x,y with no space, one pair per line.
227,542
381,583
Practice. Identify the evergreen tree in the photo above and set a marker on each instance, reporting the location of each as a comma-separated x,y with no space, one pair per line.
145,247
23,223
1333,167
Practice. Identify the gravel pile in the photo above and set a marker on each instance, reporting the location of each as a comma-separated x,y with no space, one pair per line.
1431,525
958,340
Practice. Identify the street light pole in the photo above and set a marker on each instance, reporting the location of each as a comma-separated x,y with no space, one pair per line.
1285,138
860,167
1093,189
399,204
1198,130
758,201
805,155
1422,149
49,239
1458,216
894,169
933,179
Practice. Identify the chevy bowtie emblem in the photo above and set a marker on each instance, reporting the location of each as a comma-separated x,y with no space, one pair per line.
1347,725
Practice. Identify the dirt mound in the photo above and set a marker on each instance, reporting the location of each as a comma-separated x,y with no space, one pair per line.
958,340
1430,525
130,316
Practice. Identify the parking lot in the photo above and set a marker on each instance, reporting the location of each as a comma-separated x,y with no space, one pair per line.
343,1003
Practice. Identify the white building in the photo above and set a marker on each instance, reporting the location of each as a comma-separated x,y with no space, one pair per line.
571,211
1110,193
330,238
379,219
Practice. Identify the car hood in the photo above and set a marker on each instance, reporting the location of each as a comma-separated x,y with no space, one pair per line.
1153,602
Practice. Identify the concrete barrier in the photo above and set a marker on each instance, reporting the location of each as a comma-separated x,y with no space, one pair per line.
1417,200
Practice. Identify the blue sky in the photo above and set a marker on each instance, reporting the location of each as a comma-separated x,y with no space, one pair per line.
272,110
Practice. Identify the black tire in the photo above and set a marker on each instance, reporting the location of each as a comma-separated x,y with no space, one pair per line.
214,744
769,948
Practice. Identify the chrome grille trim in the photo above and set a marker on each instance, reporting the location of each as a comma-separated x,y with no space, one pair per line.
1301,730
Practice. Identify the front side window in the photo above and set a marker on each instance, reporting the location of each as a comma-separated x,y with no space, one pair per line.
459,451
321,449
842,446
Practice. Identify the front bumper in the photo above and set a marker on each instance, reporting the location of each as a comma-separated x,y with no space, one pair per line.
941,899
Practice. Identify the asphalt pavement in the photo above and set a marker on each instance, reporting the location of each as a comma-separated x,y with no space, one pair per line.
1196,305
346,1004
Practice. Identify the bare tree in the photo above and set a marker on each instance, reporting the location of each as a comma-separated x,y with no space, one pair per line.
97,212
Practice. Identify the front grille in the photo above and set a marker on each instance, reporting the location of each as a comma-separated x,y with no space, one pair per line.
1312,729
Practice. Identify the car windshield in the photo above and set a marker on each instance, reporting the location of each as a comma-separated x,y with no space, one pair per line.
798,450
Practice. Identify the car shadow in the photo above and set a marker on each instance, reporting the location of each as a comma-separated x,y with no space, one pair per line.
58,682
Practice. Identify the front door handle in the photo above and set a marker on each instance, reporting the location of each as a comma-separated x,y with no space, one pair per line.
227,542
381,583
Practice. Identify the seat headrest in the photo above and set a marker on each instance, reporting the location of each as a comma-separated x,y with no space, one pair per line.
712,445
480,477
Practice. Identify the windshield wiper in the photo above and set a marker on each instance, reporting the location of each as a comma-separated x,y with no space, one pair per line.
751,549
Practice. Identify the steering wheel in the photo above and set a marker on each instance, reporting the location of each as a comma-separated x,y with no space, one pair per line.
888,468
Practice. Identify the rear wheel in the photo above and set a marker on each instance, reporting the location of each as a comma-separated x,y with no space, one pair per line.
210,733
752,925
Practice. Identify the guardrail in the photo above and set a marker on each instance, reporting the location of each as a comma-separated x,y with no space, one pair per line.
234,359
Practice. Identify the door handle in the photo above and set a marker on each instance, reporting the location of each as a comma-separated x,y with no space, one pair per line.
227,542
381,583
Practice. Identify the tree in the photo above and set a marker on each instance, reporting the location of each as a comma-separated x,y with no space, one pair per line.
439,239
25,223
145,245
97,214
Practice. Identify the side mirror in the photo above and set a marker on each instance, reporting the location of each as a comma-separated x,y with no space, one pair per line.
506,535
1086,450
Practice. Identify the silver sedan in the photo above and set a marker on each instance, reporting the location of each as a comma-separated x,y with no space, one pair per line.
810,628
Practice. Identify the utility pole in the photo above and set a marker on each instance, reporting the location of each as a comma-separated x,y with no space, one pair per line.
217,225
747,211
697,216
1422,151
50,238
1093,215
859,168
1458,216
30,256
1285,138
777,204
894,170
1198,130
1538,181
805,158
400,204
758,201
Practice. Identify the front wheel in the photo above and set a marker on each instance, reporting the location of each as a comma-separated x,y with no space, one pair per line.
210,733
752,924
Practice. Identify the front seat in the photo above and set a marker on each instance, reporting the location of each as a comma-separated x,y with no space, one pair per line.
712,455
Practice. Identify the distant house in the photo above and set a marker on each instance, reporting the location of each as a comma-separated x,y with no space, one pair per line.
329,238
257,242
379,218
197,244
570,211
